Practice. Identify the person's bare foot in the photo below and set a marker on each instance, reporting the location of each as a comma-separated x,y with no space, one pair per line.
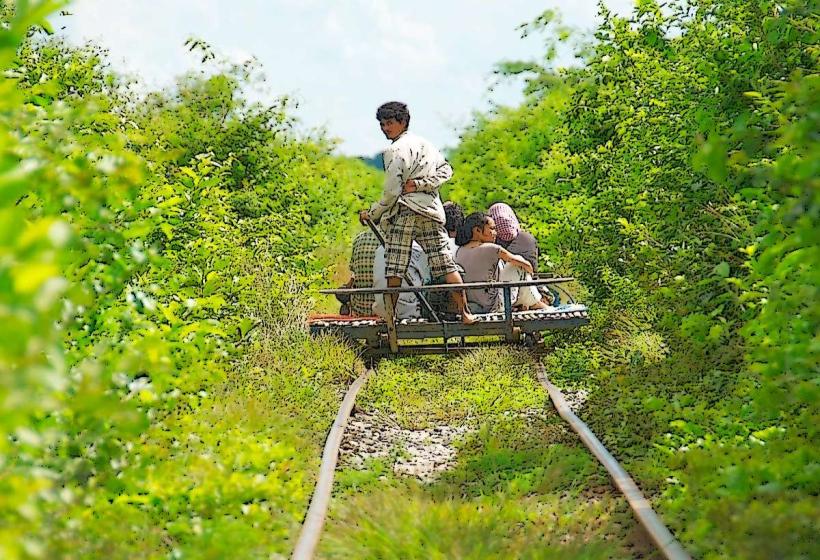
468,318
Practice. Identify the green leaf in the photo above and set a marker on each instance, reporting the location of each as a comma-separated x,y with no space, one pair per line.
721,270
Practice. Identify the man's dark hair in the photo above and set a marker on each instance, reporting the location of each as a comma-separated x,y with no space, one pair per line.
474,220
454,217
394,110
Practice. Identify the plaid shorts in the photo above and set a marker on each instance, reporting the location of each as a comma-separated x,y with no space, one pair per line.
402,230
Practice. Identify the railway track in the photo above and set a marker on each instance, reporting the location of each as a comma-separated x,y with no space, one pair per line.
314,522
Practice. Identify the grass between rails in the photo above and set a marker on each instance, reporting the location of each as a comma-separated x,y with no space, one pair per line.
523,486
420,391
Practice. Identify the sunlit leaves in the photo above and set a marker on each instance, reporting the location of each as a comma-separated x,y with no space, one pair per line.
128,278
679,183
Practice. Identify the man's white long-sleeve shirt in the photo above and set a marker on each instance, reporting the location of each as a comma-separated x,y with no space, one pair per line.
412,157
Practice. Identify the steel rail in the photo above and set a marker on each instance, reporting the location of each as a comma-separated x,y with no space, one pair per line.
647,517
315,518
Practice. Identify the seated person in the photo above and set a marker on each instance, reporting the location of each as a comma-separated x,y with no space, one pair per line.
408,305
361,265
454,217
479,255
519,242
511,236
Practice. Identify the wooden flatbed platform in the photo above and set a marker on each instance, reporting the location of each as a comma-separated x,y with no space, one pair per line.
381,337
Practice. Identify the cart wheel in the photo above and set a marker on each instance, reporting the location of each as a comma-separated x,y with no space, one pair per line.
533,340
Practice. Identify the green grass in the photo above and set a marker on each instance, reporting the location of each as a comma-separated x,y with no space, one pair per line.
407,522
419,392
230,477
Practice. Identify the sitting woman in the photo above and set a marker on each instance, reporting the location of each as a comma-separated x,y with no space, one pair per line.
520,242
511,236
479,256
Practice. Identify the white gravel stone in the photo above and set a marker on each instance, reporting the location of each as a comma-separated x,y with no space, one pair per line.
423,454
576,399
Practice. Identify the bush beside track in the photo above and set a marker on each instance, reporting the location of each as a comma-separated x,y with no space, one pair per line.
153,248
675,175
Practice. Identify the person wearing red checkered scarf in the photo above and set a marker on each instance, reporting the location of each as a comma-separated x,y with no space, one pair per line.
511,236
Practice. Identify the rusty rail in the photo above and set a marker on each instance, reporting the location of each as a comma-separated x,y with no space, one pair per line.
315,518
317,512
647,517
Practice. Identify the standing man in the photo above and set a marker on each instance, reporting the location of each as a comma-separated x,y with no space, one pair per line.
410,207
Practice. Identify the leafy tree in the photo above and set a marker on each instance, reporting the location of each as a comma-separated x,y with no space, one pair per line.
133,234
675,175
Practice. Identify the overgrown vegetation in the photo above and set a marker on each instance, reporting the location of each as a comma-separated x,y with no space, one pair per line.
152,247
676,175
155,253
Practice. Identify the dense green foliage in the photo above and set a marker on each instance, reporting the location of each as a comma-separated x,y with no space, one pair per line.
151,249
676,175
155,252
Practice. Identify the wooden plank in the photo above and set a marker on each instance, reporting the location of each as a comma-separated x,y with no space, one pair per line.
389,309
454,329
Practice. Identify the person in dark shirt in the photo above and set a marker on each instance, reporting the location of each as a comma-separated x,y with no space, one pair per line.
453,218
